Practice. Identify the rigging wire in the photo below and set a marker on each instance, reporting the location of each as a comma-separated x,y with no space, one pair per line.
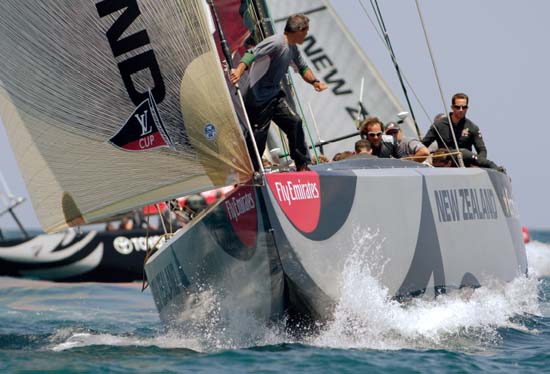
263,22
459,156
419,101
382,25
306,125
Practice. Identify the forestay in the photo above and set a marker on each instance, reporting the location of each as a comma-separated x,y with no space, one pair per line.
110,105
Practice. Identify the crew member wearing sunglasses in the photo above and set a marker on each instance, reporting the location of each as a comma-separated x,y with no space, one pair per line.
407,146
466,132
383,146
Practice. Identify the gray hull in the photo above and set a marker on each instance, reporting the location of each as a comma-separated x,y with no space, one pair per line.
421,230
224,263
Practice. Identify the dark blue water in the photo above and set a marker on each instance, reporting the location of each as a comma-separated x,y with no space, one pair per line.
51,327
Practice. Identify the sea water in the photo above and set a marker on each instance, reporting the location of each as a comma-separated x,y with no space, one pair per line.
53,327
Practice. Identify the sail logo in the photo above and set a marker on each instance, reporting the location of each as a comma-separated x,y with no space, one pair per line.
142,119
324,66
126,246
133,64
210,131
237,206
143,130
299,197
240,208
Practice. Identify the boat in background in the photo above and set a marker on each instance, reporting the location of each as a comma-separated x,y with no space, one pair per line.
525,233
72,256
86,254
142,113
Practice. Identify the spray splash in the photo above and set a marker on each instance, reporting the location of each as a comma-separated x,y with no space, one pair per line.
538,256
214,325
366,317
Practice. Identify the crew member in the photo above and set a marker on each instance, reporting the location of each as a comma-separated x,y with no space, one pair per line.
383,146
467,134
265,100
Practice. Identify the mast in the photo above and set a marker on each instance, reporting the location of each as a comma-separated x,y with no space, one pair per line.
263,21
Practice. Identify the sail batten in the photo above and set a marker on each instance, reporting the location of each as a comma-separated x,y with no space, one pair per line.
75,74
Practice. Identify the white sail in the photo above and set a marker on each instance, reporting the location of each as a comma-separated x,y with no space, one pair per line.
335,57
110,105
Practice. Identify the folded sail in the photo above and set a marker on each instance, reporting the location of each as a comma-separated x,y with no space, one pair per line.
110,105
334,56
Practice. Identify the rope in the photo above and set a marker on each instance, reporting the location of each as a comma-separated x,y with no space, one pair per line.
441,155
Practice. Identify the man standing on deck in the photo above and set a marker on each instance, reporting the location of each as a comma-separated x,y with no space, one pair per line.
466,132
265,100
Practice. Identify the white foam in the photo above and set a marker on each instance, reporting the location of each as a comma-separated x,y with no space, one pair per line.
66,339
367,318
538,258
241,332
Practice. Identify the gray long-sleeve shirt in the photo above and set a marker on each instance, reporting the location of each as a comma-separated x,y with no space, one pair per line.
271,58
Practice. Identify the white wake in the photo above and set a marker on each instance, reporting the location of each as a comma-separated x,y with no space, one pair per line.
366,317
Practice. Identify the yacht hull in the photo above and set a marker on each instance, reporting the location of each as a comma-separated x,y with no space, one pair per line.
417,230
94,256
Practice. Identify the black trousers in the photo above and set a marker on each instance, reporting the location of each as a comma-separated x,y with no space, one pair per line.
470,158
279,111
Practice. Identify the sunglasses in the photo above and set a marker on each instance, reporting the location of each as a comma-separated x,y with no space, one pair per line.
392,132
460,107
373,134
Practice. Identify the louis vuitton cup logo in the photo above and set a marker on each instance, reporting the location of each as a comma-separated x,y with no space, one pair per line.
143,130
146,129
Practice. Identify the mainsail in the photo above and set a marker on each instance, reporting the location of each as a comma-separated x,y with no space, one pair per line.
110,105
336,58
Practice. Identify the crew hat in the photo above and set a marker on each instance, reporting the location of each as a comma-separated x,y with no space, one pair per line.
391,126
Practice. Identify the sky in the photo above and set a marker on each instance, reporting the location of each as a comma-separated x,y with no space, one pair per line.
496,51
493,50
